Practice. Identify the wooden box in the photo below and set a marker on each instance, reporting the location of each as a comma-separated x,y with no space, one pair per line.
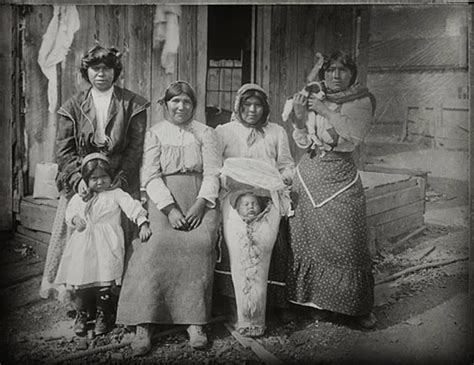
395,203
37,214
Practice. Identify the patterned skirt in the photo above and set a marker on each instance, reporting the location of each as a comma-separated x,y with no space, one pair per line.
330,266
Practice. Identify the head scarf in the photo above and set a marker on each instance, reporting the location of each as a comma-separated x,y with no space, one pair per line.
256,128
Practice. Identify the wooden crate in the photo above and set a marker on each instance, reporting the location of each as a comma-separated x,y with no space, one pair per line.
37,214
395,203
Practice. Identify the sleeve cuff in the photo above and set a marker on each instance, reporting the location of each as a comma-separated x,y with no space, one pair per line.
141,220
210,203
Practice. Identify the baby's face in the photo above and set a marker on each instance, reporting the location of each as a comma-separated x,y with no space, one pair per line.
249,206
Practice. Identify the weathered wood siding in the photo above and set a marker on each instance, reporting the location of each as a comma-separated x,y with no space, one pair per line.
7,22
130,28
297,33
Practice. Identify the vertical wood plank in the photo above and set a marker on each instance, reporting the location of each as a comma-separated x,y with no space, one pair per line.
159,80
363,59
264,26
192,56
36,99
278,56
18,126
7,24
110,25
201,62
137,60
71,80
187,45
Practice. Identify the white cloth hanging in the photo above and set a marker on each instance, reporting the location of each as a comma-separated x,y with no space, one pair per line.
166,25
55,46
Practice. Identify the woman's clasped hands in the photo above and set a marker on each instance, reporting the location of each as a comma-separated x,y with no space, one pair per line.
189,221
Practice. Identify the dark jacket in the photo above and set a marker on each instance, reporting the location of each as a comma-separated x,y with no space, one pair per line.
125,129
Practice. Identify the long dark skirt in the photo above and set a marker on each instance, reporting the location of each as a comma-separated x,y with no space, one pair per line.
169,279
330,266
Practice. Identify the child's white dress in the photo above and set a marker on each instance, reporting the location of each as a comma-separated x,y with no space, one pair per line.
95,256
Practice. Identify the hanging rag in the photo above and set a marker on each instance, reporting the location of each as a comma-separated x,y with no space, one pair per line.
166,23
55,46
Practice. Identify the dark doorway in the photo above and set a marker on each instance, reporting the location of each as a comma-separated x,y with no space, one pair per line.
229,53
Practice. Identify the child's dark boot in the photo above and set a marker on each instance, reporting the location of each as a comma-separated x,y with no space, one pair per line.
80,323
104,320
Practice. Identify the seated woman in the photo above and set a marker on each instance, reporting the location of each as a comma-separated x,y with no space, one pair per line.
169,279
254,198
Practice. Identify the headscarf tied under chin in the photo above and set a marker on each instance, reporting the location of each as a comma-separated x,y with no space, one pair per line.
256,128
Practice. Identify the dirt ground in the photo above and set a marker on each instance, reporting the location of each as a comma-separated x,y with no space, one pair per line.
423,317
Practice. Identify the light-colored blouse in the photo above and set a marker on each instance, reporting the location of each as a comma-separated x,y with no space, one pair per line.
272,147
170,149
101,105
352,123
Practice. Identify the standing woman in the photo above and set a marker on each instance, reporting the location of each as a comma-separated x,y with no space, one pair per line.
249,134
169,279
331,269
103,118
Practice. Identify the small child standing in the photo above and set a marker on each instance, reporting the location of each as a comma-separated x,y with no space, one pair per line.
93,259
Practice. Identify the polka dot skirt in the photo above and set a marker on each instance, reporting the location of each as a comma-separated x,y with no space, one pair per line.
329,264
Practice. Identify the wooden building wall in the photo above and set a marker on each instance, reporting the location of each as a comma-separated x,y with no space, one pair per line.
7,59
130,28
287,38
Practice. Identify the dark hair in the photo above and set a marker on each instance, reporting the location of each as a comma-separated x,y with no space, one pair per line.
93,165
260,96
178,88
110,57
346,61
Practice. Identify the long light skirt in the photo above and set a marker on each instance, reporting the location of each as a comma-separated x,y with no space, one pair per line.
169,279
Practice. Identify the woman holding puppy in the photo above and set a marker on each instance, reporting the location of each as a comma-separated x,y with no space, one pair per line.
330,269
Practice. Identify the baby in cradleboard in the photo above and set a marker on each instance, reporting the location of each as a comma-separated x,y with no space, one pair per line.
249,206
253,236
93,259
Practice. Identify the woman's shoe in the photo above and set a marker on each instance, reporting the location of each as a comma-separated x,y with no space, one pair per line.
197,337
367,321
141,344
